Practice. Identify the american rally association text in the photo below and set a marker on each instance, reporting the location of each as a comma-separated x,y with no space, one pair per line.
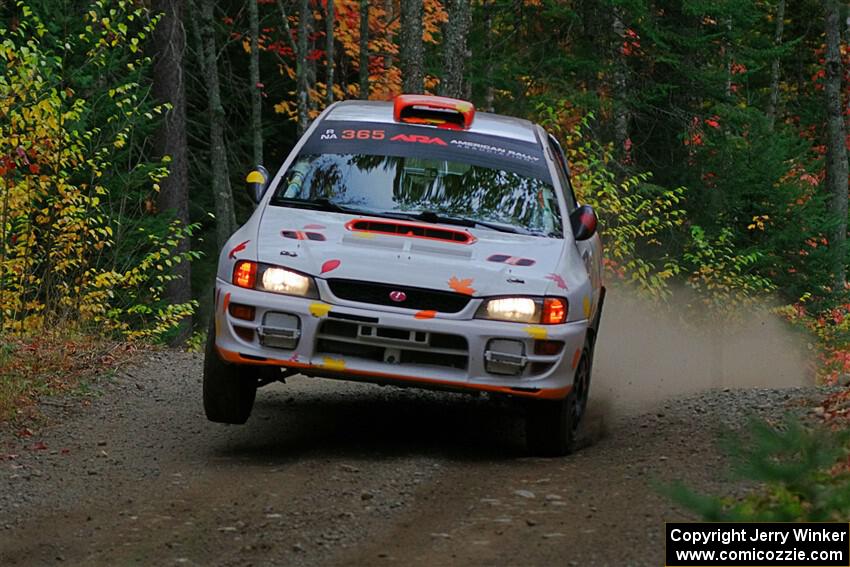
756,534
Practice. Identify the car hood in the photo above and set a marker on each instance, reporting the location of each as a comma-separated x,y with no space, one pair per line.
323,244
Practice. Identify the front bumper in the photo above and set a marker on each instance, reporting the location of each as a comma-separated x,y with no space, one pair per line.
388,345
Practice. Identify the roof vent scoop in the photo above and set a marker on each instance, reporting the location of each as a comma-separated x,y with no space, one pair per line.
434,111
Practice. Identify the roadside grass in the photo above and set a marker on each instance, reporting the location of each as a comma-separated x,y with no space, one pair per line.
799,469
32,368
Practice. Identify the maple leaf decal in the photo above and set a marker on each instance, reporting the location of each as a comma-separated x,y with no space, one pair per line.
461,286
559,281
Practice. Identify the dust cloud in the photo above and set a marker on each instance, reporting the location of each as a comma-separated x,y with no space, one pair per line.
647,354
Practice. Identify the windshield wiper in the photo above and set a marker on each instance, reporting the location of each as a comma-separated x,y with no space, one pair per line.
431,216
321,204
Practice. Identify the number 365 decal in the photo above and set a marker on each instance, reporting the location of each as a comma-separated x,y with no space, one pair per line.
362,134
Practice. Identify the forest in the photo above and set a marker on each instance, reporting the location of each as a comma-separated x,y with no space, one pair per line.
710,136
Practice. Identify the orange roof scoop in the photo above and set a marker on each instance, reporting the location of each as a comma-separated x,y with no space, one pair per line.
434,111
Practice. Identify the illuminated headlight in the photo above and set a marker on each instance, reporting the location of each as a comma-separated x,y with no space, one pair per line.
281,280
275,279
519,309
543,310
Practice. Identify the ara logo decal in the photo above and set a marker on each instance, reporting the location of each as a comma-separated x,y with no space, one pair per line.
329,134
418,139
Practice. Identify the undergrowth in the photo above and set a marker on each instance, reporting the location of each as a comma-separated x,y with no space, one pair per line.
34,367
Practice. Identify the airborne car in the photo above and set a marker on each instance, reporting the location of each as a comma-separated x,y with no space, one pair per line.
418,243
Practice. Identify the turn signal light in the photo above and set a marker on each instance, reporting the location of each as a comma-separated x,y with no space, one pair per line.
554,311
239,311
245,274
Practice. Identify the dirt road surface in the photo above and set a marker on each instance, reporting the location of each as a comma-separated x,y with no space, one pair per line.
336,473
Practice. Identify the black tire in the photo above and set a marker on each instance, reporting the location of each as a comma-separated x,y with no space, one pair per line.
550,428
229,389
581,382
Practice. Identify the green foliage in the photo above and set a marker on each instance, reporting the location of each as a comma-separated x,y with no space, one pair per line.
799,470
72,250
635,215
721,275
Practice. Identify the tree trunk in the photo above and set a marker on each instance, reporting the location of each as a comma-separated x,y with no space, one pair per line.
256,89
364,49
836,156
455,32
774,66
489,91
388,58
222,193
412,49
727,53
169,86
301,66
329,49
622,116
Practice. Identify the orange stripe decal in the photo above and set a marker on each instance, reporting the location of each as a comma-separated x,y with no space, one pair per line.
542,394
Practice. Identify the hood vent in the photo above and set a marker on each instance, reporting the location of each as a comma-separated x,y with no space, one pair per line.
411,230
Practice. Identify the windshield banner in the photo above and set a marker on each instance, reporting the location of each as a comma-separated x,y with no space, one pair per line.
403,140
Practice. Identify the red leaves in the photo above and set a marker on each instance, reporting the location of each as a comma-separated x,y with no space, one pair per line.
631,43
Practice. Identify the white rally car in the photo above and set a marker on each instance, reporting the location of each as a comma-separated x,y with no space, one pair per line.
419,243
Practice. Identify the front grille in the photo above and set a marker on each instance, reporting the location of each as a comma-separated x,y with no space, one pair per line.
377,343
417,298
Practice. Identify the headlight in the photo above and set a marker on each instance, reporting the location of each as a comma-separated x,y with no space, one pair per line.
520,309
542,310
281,280
273,278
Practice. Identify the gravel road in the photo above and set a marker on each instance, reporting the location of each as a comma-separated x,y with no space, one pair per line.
334,473
339,473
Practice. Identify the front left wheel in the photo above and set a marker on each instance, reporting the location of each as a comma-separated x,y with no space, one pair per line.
229,389
550,425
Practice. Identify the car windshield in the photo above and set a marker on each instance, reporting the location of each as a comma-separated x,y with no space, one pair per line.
432,188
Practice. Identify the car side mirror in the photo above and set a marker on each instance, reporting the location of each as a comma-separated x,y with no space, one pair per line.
258,182
583,221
